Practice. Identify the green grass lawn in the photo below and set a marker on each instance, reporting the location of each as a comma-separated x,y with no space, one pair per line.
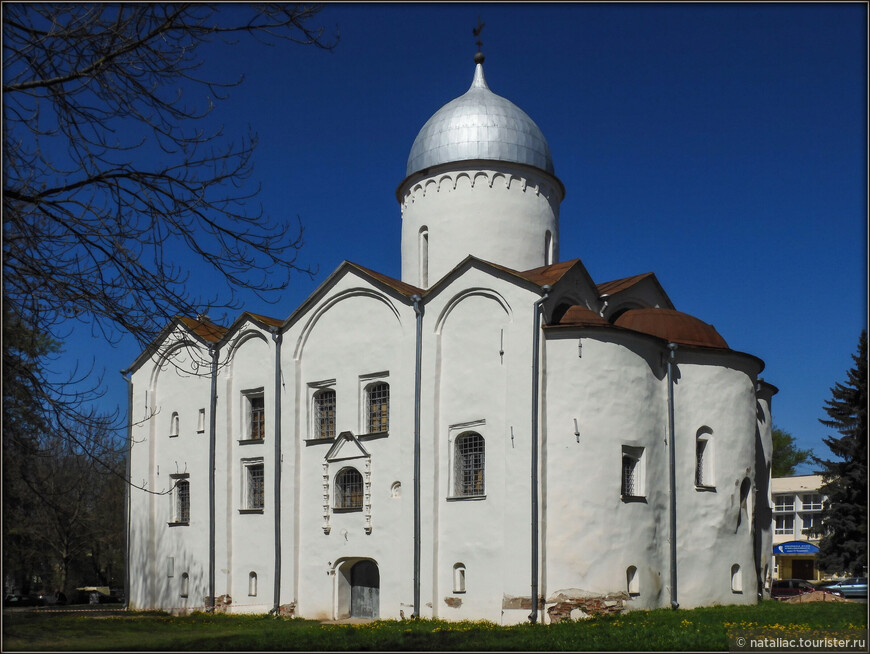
664,629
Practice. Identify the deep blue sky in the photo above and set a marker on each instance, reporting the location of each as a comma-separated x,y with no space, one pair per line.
721,146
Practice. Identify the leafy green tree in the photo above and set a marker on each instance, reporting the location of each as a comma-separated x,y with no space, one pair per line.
786,456
843,547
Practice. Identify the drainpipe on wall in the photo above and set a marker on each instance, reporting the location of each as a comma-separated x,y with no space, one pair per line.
418,309
211,485
278,336
129,491
673,474
536,365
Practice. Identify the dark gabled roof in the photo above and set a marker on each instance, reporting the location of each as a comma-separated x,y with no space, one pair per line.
580,316
547,275
266,320
405,289
673,326
617,285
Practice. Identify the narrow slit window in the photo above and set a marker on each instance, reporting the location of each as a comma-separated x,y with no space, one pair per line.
200,424
459,578
632,581
424,257
252,584
173,424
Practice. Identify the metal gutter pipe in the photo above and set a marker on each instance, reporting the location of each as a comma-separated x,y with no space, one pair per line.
212,427
673,474
418,309
278,336
536,366
129,491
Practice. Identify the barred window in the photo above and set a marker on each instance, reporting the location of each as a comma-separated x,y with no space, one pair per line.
378,408
700,448
348,489
181,501
629,464
324,414
632,485
468,465
256,417
256,485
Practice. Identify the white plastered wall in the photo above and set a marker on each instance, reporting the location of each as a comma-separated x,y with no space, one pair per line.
498,212
354,333
174,381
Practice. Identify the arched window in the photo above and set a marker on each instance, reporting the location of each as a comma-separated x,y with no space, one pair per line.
459,578
704,458
736,579
252,584
548,248
468,465
324,414
348,489
378,408
424,257
185,584
173,424
632,582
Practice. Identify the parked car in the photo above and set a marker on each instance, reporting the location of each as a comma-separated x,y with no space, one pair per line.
14,601
850,587
785,588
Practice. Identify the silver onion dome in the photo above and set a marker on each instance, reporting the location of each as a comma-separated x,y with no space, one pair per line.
479,125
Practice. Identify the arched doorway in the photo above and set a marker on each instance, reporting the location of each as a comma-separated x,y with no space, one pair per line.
365,585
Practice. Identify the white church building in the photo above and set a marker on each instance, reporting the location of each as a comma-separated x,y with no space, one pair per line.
493,427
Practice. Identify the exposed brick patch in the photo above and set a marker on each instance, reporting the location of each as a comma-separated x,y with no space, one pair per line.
287,610
575,604
453,602
222,603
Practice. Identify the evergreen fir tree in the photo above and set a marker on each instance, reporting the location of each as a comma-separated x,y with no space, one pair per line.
843,547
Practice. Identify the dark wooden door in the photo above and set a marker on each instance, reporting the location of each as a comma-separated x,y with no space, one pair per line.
802,569
365,584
